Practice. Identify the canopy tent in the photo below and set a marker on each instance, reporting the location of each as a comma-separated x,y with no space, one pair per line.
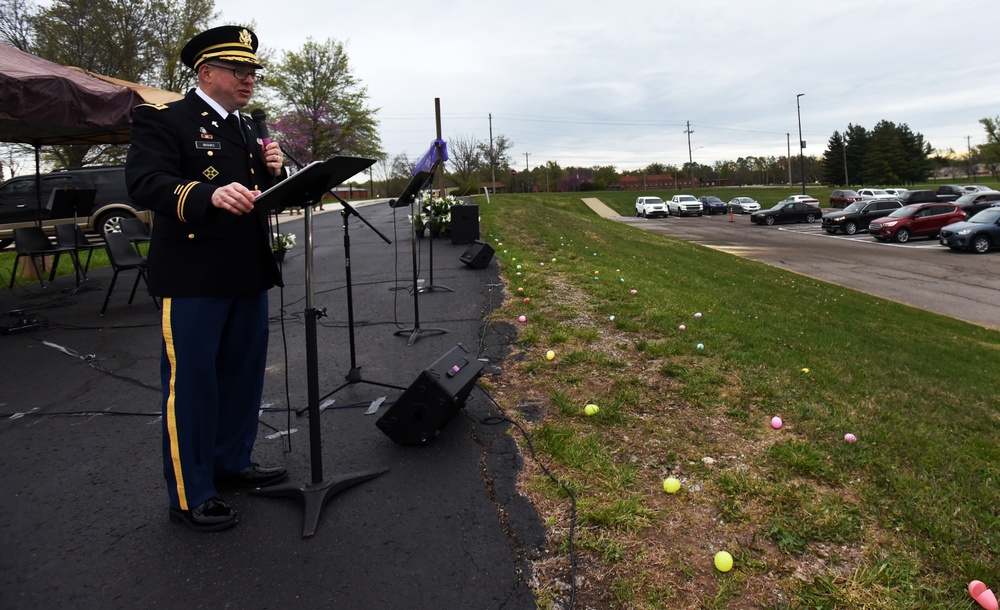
44,103
149,95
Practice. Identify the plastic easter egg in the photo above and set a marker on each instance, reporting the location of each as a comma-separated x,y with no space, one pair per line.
776,422
723,561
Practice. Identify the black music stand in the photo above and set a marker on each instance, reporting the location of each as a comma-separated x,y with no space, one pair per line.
408,197
354,374
306,188
61,202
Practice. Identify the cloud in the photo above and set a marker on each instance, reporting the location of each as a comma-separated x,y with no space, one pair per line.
596,83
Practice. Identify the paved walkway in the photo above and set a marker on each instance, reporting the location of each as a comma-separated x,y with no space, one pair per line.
83,500
600,208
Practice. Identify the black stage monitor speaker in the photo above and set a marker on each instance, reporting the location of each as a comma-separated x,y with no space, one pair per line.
430,402
478,255
464,224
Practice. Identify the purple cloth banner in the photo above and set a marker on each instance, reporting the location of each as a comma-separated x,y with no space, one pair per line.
426,163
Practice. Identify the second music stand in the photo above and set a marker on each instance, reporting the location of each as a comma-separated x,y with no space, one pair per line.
306,188
409,196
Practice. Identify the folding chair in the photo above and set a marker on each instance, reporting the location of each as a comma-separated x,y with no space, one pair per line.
33,242
78,242
123,257
136,231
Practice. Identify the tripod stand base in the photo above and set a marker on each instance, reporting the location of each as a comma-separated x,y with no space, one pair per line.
416,332
432,288
314,496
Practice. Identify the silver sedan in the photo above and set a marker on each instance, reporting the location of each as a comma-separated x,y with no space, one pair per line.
744,205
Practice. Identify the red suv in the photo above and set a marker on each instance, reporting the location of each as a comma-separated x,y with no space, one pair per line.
843,198
917,220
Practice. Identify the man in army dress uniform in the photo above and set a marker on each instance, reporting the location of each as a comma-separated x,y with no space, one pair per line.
197,164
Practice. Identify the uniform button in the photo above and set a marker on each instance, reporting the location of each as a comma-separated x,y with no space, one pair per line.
190,235
210,153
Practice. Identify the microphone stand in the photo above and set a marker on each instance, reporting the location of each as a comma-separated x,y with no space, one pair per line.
354,374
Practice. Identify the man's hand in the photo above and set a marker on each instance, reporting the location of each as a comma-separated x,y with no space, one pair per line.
234,198
274,158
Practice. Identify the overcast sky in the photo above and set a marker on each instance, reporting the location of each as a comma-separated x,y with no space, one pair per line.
614,83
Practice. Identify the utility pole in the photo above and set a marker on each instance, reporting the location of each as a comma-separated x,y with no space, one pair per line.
493,169
847,182
788,159
690,159
968,143
524,180
802,144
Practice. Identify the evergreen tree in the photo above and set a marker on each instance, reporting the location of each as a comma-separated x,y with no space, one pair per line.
833,160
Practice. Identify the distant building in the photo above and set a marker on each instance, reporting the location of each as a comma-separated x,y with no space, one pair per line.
666,181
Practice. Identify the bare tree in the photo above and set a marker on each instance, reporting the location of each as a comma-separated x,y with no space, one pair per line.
15,23
465,158
496,156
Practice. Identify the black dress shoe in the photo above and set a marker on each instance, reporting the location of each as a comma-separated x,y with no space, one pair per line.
253,476
211,515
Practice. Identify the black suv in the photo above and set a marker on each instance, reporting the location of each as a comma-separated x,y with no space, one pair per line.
857,215
973,203
922,196
19,201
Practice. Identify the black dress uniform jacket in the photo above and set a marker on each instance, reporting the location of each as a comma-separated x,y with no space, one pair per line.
180,154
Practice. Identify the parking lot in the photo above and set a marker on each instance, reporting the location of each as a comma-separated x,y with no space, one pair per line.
921,273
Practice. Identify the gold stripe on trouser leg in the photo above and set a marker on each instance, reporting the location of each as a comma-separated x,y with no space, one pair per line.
171,414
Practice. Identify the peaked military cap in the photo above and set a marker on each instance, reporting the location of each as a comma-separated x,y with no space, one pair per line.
231,43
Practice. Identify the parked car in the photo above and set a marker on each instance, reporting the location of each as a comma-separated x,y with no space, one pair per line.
949,192
917,220
19,201
788,211
919,196
973,203
684,205
744,205
650,207
979,233
874,194
710,204
974,188
803,199
857,216
843,197
898,193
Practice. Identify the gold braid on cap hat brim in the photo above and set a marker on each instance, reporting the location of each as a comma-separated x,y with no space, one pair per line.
227,55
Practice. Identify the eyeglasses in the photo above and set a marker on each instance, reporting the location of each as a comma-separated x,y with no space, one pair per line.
241,74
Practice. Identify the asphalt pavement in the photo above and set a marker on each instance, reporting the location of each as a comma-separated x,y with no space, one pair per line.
83,500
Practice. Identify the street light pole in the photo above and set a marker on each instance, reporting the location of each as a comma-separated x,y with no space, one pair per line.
802,144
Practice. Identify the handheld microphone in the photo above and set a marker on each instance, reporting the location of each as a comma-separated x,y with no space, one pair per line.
260,117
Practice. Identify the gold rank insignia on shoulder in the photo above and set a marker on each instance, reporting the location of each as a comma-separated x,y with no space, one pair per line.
154,106
204,114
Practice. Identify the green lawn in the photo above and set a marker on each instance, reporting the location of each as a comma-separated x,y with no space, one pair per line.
903,518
